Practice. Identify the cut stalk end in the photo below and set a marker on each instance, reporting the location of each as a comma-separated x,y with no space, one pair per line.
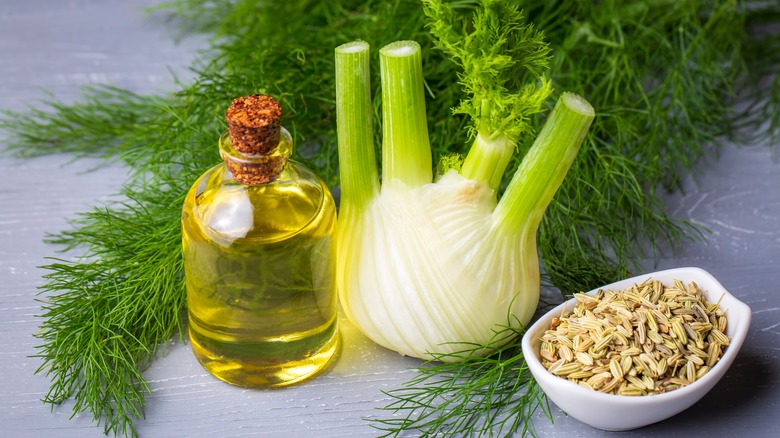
356,46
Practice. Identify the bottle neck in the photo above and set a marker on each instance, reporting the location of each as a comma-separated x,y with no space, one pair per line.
256,169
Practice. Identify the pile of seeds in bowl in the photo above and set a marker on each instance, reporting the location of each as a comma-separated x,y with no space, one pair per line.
648,339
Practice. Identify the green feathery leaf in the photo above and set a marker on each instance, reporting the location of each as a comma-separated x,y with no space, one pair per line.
493,395
503,61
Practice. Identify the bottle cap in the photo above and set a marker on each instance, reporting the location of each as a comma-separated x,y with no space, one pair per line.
256,147
254,122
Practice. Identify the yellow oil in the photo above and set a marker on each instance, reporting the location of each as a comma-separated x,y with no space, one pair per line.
260,284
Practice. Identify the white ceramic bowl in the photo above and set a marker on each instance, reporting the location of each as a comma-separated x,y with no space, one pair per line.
616,412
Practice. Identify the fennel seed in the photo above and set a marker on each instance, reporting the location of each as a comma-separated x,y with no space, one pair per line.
645,340
719,337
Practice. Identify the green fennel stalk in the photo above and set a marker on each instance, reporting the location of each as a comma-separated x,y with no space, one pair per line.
358,174
660,73
545,165
406,150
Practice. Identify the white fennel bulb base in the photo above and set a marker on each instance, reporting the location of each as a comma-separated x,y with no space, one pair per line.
424,270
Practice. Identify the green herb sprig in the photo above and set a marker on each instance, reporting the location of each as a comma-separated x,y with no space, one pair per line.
659,73
477,396
107,312
502,61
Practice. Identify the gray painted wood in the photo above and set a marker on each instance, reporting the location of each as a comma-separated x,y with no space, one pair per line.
63,45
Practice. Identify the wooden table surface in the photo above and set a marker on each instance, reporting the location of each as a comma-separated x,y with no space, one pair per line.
60,46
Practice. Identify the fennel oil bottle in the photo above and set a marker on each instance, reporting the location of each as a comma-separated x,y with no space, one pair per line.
257,235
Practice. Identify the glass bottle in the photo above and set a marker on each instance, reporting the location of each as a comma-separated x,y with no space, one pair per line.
258,258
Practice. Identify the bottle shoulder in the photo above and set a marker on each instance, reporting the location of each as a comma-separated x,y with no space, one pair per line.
227,211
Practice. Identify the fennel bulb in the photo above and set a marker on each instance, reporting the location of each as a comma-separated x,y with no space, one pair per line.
425,267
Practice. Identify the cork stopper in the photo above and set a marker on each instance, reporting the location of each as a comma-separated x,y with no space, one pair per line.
255,147
254,122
